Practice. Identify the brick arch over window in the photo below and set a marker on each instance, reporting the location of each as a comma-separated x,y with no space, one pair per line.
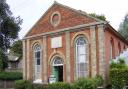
81,47
112,48
35,43
56,54
51,60
77,35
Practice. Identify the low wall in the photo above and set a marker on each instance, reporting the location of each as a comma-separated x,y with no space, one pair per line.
6,84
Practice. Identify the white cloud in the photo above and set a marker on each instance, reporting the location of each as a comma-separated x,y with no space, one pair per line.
31,10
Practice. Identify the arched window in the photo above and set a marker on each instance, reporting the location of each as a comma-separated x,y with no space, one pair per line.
57,61
81,55
124,47
37,61
119,48
112,53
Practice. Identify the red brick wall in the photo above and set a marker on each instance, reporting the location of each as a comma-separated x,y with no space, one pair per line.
116,40
50,51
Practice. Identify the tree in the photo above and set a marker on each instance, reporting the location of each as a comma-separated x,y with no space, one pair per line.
3,62
123,28
16,48
101,17
9,26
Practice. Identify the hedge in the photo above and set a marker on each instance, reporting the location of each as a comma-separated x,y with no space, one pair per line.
83,83
88,83
119,77
59,85
22,84
10,75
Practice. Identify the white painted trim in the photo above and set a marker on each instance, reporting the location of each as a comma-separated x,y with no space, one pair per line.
66,29
55,13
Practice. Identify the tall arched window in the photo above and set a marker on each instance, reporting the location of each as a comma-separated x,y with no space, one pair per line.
119,48
124,46
37,61
81,57
112,53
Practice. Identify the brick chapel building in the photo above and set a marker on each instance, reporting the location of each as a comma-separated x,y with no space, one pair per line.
69,44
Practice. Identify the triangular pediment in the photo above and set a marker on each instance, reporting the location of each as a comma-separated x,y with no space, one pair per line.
59,16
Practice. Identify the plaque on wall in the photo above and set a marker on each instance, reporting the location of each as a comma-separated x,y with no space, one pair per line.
56,42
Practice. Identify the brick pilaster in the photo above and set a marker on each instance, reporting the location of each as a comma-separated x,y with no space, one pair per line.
93,50
68,56
45,64
28,59
24,60
101,41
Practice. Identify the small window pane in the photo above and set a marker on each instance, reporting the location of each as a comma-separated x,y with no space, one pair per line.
82,67
38,54
81,49
81,59
37,69
38,61
57,61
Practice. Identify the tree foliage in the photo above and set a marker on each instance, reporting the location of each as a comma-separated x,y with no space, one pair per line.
16,48
2,60
123,28
101,17
9,25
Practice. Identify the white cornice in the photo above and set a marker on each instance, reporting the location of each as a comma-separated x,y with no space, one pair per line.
66,29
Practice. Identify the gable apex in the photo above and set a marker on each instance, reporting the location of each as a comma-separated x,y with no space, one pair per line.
79,12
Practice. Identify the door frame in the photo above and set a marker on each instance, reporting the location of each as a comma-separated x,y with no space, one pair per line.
55,65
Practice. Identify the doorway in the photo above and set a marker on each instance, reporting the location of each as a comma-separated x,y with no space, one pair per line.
58,72
58,69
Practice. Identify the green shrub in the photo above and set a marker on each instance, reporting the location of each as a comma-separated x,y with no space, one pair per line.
10,75
118,74
121,64
99,80
88,83
119,77
59,85
40,86
121,61
22,84
83,83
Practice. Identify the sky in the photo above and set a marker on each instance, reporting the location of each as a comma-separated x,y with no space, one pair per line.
31,10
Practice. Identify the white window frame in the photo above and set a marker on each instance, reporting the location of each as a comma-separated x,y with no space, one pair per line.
37,67
78,69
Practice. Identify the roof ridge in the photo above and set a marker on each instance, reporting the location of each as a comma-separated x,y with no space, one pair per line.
79,11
